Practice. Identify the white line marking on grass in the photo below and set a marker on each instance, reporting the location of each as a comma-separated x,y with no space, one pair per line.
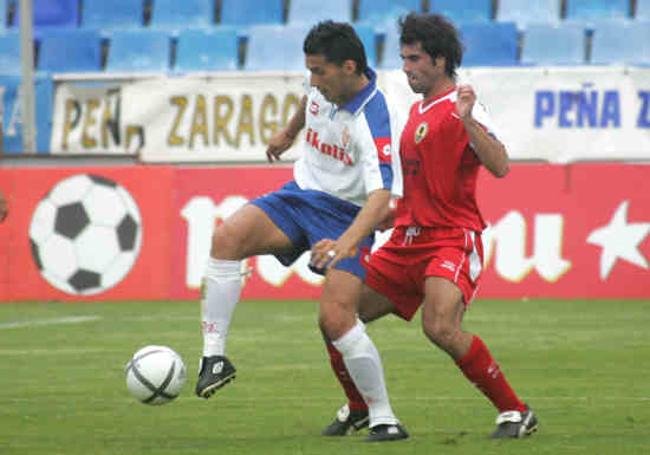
51,352
41,322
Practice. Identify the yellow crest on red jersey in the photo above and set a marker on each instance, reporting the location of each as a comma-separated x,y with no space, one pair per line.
421,131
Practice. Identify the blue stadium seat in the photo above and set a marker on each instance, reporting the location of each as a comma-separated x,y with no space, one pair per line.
178,14
382,10
207,50
524,12
139,50
52,13
621,42
312,11
70,51
276,47
4,11
490,44
546,44
463,10
590,10
250,12
113,14
642,10
10,53
367,36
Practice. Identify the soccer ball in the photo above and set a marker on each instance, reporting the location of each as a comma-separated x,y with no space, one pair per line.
85,234
155,375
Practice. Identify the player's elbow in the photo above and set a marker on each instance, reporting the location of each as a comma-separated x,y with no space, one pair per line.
501,170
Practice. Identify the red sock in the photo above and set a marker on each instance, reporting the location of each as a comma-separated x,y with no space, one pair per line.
355,401
481,369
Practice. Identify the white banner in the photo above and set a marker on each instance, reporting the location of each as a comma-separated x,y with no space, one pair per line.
88,120
559,115
227,118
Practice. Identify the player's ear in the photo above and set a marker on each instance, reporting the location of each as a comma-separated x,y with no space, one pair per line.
349,66
440,62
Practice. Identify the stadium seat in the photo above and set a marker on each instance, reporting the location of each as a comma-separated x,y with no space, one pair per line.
524,12
312,11
207,50
178,14
4,10
391,59
52,13
367,36
383,10
642,10
546,44
113,14
463,10
621,42
70,51
139,50
490,44
590,10
250,12
276,47
10,53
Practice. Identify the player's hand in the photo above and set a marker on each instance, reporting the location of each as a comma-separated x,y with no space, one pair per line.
279,144
3,208
465,101
327,253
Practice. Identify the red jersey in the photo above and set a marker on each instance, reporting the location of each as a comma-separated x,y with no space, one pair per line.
440,167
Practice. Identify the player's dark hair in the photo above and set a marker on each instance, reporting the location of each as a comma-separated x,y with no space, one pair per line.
337,42
438,36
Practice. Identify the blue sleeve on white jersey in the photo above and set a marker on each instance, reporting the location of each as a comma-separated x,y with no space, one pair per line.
386,175
377,116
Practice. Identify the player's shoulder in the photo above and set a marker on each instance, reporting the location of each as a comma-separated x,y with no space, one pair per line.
377,113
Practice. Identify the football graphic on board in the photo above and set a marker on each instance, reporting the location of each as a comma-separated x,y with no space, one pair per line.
85,234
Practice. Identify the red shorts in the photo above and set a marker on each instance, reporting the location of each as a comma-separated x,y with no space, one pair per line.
398,269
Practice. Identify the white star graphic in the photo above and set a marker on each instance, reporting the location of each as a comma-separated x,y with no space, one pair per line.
620,239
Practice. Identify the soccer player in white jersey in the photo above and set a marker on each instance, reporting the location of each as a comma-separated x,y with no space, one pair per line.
342,186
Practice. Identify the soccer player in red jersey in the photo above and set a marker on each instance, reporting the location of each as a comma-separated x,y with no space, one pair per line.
434,256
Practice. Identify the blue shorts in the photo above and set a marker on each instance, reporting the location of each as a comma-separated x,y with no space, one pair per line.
307,216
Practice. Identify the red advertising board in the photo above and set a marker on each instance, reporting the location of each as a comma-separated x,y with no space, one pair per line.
143,232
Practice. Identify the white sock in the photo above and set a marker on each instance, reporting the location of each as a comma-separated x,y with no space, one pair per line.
364,365
223,282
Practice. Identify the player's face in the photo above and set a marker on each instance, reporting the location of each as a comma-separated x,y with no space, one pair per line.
329,78
422,71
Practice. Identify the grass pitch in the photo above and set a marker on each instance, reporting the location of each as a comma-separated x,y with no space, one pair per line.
584,367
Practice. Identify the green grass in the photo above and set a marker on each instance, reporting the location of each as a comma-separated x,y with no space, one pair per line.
583,366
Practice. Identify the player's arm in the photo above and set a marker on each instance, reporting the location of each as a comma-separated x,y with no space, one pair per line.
488,149
3,208
328,252
281,141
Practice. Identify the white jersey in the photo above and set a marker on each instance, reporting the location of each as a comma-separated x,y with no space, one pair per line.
350,150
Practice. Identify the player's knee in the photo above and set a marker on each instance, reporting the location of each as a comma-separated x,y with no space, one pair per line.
335,324
439,330
226,242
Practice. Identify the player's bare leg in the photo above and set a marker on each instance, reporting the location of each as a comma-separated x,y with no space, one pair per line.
338,322
442,314
246,233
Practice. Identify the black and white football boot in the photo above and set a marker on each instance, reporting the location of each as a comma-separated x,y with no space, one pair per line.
215,372
515,424
384,433
346,422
